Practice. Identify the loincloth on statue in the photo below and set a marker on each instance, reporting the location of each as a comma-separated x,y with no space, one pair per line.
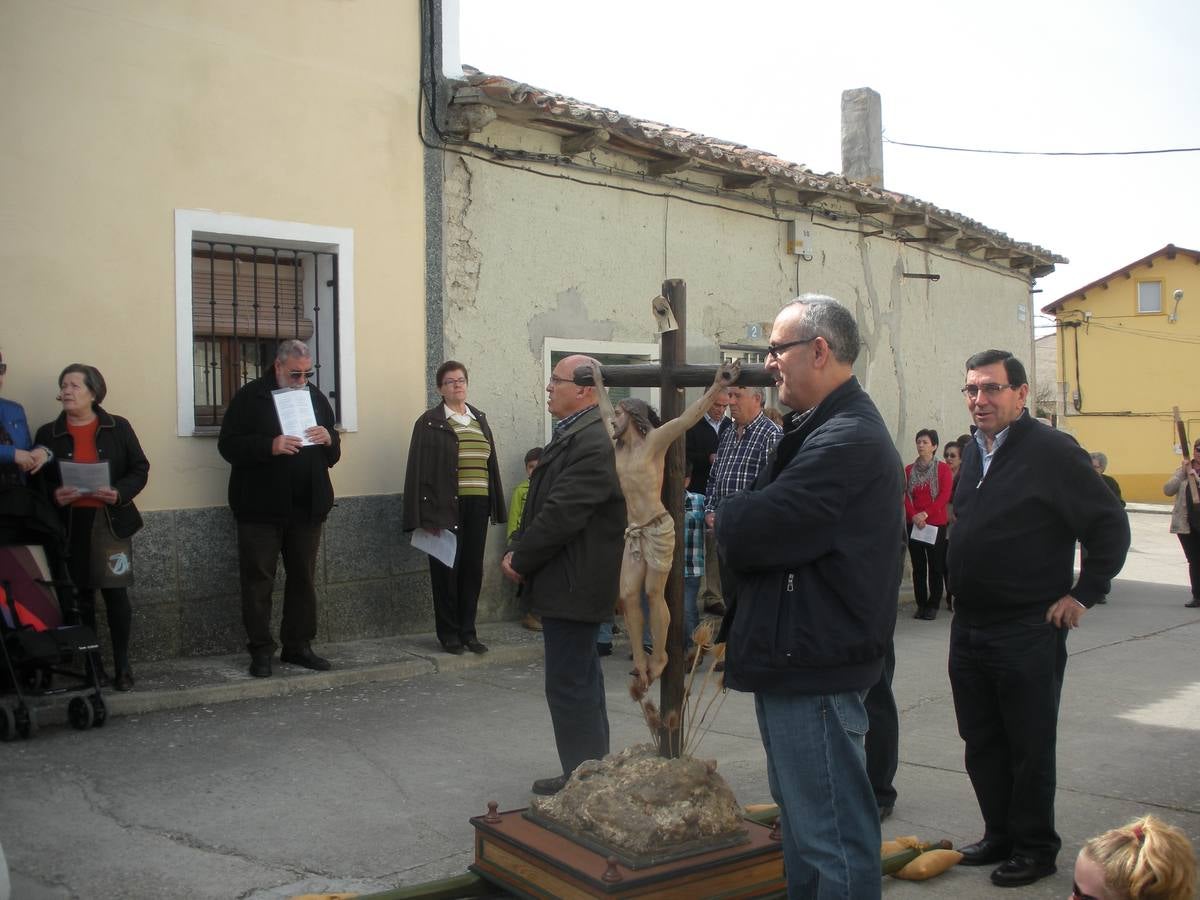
653,542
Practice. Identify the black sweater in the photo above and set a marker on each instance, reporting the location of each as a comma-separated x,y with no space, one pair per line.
1012,551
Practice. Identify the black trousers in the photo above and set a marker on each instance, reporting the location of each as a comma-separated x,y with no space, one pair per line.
117,609
929,569
1007,679
456,590
1191,549
260,545
575,691
883,733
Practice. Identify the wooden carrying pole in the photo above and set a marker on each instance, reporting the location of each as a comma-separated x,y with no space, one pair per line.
1185,449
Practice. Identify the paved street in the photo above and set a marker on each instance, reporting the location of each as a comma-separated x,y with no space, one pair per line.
366,786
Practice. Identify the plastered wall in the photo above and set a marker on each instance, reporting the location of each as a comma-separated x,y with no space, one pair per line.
117,114
531,257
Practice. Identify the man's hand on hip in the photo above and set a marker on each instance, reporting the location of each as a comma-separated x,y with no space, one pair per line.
1066,613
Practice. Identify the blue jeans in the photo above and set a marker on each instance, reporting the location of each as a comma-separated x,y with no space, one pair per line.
816,767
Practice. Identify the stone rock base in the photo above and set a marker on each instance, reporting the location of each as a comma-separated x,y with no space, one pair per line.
639,804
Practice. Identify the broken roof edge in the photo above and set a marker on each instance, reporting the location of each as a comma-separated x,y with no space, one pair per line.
504,94
1170,251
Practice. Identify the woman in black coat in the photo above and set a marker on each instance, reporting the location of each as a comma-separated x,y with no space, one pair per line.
85,433
453,481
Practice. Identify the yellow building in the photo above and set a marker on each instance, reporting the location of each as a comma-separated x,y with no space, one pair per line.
1128,349
151,150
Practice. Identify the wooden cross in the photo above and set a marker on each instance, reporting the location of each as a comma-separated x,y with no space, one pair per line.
671,376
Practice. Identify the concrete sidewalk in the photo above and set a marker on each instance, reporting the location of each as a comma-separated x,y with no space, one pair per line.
363,778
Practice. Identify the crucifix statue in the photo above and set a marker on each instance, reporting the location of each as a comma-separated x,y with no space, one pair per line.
672,375
641,444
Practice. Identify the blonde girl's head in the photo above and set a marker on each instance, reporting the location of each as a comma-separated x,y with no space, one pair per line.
1144,860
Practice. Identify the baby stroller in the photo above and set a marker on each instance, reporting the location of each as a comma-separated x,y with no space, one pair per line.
42,657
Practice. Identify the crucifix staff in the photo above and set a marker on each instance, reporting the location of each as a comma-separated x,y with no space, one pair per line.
671,376
1184,446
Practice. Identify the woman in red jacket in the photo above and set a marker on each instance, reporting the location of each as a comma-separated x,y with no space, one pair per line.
927,492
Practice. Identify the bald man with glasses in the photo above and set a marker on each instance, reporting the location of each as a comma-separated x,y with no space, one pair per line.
280,494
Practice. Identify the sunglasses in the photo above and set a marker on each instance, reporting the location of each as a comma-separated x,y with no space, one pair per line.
777,350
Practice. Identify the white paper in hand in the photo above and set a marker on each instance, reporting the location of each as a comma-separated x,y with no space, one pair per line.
442,546
926,534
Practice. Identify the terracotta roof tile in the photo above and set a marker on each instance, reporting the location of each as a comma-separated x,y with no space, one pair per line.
568,112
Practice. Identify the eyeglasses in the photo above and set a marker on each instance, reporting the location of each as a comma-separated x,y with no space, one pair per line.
296,375
554,379
776,350
1077,894
453,382
992,390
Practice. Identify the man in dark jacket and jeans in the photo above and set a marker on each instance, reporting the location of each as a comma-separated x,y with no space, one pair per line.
1025,494
280,494
568,555
815,549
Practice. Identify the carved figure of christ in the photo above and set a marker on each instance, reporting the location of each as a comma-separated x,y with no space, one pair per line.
641,449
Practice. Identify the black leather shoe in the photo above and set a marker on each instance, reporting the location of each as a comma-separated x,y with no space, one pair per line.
260,665
1192,604
476,646
982,853
123,681
454,648
931,614
1020,871
305,657
548,786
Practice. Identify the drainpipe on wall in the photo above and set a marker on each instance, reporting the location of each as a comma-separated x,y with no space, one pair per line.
862,136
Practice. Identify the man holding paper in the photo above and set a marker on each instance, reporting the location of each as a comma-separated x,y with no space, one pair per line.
1025,494
280,494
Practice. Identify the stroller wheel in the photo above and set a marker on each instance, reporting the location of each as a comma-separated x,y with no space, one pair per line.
81,713
35,681
99,711
26,722
8,724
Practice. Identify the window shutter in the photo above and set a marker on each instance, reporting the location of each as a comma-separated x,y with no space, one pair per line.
270,302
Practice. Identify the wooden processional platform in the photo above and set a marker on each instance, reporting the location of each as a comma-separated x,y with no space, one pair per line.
528,860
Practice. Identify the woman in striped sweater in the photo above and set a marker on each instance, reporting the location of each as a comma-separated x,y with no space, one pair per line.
453,481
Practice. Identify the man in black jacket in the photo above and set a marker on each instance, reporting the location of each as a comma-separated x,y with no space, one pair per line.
280,494
815,550
568,555
1025,494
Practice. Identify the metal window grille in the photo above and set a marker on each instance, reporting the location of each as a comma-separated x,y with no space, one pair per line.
246,299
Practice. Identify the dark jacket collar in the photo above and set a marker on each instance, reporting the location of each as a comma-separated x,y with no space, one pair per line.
836,400
438,413
106,421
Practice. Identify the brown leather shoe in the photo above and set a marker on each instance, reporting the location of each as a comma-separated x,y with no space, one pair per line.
532,622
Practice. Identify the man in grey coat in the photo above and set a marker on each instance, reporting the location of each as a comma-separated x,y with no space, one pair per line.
568,555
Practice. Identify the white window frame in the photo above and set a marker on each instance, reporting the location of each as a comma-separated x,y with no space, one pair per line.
651,353
1150,312
207,225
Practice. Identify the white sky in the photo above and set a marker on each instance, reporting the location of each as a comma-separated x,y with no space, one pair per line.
1051,75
